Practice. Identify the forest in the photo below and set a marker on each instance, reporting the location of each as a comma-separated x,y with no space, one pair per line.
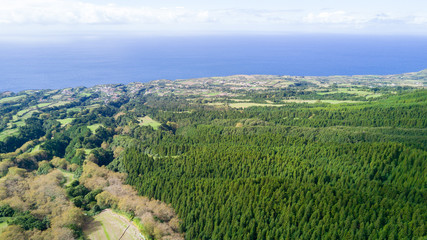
302,162
353,172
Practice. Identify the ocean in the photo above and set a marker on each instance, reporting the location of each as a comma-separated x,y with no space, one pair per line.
88,61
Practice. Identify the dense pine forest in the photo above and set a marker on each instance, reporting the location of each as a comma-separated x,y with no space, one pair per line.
263,174
305,161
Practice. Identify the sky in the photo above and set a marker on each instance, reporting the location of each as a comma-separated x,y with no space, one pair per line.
41,17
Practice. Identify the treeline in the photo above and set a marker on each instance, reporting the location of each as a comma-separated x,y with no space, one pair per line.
298,93
406,110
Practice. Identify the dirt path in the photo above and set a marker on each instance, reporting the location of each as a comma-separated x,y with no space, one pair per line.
111,226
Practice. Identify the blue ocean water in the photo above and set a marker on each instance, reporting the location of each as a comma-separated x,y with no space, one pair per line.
91,61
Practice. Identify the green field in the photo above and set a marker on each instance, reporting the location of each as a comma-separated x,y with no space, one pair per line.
354,91
213,94
74,109
87,151
110,225
60,103
78,109
19,123
59,96
249,104
68,175
36,148
26,113
8,132
3,223
85,94
93,106
94,127
42,105
65,121
147,121
12,99
319,101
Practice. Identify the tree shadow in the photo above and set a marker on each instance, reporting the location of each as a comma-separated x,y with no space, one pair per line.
91,226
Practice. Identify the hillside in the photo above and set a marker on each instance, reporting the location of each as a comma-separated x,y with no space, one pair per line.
237,157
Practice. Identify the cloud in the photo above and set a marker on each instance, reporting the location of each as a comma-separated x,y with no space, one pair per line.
418,20
334,17
250,16
48,12
80,13
361,20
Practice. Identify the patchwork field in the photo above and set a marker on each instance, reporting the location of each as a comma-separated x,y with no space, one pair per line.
110,225
354,91
319,101
248,104
251,104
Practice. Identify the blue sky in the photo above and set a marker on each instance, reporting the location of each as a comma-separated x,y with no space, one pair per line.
39,17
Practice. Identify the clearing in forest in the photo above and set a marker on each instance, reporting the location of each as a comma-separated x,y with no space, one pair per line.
93,127
3,223
147,121
110,225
